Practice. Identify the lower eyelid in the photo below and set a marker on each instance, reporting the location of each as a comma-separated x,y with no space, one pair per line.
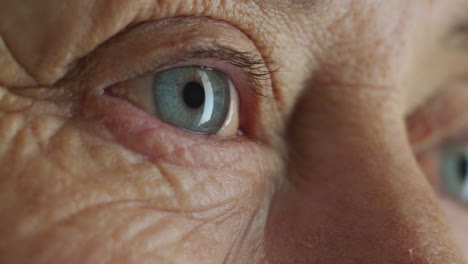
144,134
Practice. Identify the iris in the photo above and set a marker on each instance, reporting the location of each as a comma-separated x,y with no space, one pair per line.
454,172
193,98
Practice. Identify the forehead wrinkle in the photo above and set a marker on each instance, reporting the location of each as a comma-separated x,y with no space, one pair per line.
301,4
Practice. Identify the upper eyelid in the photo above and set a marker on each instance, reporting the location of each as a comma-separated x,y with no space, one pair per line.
255,69
98,69
441,119
152,47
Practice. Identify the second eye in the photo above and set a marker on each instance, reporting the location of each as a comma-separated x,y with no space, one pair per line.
454,172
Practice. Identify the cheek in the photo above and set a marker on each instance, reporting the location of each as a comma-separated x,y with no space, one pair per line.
127,232
70,179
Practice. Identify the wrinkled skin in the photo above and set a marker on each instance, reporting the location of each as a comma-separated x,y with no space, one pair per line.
336,173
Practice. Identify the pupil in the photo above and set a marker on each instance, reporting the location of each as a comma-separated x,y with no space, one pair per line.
194,95
463,167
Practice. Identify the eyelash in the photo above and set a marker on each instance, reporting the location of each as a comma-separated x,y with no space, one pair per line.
255,70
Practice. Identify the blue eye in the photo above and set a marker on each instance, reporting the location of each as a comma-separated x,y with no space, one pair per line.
454,172
196,99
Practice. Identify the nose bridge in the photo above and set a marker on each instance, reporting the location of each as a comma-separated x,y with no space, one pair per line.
354,192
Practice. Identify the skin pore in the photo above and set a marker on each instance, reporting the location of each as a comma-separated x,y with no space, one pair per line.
337,162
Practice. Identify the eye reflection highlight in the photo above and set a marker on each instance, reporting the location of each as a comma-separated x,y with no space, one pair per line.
208,111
